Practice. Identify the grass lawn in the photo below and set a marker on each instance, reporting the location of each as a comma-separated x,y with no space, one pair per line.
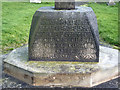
16,21
119,22
17,17
107,18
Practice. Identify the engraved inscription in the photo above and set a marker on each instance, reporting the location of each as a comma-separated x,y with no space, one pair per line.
68,41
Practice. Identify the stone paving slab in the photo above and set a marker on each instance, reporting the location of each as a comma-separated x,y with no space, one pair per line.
62,73
11,82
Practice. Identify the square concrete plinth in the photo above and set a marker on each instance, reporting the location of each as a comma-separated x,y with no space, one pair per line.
60,74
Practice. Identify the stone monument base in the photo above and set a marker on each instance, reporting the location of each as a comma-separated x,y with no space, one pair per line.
64,35
62,74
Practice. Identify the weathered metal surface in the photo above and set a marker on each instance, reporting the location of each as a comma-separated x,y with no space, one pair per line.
65,35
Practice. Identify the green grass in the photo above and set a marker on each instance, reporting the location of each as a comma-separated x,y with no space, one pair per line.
16,21
107,18
17,17
119,22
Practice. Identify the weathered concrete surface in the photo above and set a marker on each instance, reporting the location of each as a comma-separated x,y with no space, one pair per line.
78,3
65,4
62,73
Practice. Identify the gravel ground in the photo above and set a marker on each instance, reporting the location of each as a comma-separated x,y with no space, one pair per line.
110,84
11,82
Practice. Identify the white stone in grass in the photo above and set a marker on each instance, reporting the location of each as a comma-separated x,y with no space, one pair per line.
111,3
35,1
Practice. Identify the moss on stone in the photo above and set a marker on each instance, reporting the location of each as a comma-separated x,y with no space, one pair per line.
58,62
